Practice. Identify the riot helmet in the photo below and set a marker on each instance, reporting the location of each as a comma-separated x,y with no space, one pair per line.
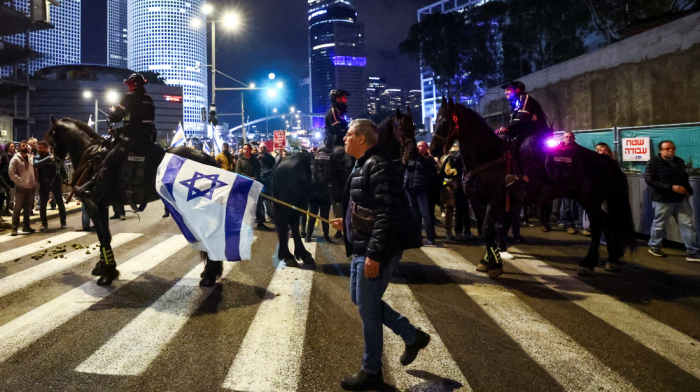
338,93
135,81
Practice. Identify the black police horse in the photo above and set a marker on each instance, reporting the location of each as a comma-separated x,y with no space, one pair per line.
85,147
291,181
596,182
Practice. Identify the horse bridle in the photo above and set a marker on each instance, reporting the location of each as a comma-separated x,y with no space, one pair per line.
454,130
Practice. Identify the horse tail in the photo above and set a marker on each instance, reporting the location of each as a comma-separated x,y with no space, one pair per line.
619,210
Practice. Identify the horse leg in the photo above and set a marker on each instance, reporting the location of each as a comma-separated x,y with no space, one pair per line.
106,267
283,221
588,264
614,245
300,251
495,264
212,270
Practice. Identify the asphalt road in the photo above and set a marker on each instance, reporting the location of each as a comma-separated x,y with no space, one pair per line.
539,327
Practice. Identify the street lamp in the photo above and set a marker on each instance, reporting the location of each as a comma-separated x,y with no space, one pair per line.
271,76
112,98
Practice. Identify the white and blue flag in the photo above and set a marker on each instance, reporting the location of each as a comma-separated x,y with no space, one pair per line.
179,138
190,143
214,208
205,148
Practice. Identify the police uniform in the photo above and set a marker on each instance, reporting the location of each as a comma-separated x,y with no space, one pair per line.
528,125
336,126
137,111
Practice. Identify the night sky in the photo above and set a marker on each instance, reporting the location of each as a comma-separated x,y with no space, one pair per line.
275,39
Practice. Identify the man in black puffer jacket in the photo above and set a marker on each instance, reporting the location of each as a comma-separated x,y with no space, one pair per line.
667,178
377,229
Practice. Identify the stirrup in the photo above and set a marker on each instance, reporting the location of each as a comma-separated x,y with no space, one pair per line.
511,180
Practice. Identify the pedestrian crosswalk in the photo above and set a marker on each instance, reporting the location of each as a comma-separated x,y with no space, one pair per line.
273,350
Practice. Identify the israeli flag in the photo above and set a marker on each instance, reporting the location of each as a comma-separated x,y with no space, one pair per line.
190,143
214,208
205,148
179,139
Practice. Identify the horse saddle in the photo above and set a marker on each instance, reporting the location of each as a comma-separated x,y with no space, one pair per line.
138,173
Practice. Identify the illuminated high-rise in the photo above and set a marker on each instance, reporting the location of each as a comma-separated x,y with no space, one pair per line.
57,46
163,38
117,52
336,51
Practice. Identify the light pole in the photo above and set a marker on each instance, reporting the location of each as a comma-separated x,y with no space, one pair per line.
111,96
230,21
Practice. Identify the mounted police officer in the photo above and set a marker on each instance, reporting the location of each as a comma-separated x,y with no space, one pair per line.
137,111
528,127
336,125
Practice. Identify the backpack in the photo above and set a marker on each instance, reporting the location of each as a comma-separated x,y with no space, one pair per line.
321,169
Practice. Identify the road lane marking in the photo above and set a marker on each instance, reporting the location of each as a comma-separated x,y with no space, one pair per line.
435,359
677,347
28,328
26,277
269,358
574,367
39,245
132,350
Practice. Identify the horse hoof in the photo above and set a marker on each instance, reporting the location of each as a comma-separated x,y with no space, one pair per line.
307,259
482,267
507,256
495,273
584,271
613,267
291,262
108,277
207,281
99,269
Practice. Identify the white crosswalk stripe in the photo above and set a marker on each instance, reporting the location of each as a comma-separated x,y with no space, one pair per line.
134,348
269,357
679,348
40,245
435,359
31,275
28,328
574,367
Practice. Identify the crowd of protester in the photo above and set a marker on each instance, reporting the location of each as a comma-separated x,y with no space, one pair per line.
29,177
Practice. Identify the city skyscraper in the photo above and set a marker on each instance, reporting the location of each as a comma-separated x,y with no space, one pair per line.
117,22
305,102
336,51
162,38
58,46
375,88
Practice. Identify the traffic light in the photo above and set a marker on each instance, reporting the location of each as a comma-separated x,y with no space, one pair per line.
204,115
212,115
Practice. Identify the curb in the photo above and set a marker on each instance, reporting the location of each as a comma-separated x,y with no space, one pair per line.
71,208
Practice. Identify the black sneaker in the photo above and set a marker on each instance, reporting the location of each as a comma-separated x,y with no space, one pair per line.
327,239
657,253
411,352
115,217
28,230
362,381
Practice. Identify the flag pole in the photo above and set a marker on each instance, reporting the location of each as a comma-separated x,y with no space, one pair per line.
296,208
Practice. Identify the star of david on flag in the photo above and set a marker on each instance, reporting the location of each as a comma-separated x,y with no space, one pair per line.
195,192
214,208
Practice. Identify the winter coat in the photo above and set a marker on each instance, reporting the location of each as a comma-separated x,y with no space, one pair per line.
661,176
375,185
420,172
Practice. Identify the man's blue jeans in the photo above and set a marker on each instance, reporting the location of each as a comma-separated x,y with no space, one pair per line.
683,214
571,213
418,199
367,295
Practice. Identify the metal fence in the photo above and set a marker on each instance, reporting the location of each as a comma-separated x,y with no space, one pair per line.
686,137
